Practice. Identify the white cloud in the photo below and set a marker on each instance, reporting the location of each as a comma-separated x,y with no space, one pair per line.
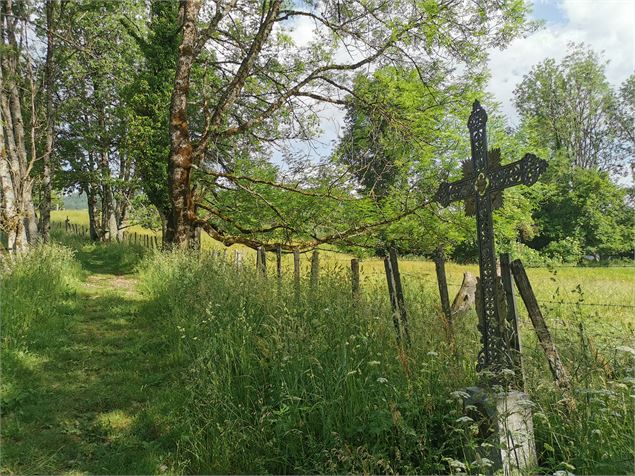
304,31
606,26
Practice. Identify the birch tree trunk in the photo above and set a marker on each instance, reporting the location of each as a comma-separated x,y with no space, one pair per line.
47,174
8,209
18,209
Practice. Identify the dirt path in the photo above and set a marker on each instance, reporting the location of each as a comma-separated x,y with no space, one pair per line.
85,401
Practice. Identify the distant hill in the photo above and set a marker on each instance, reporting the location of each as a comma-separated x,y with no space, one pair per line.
75,201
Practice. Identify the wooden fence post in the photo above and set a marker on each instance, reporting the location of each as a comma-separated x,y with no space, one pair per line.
390,281
542,331
279,264
355,278
513,338
401,302
261,261
439,264
296,272
315,269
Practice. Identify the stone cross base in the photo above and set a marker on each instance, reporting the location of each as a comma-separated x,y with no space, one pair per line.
505,423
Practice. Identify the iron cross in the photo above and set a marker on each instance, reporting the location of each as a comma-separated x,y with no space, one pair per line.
486,180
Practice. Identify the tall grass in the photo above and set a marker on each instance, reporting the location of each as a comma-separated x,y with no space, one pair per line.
274,382
35,305
32,289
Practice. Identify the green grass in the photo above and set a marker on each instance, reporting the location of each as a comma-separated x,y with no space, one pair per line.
125,361
78,383
317,384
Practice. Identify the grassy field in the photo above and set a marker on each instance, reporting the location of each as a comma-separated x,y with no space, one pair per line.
604,294
118,359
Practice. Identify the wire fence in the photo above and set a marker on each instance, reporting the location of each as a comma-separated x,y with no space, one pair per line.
153,241
133,238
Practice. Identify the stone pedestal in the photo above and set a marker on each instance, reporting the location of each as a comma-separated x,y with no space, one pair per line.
505,422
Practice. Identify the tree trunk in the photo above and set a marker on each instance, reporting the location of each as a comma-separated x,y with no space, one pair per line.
180,161
18,210
8,214
108,218
45,208
30,220
92,212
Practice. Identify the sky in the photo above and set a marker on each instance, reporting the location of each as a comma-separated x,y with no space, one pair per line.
607,26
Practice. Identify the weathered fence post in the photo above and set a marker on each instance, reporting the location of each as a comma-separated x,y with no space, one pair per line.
238,258
279,264
401,302
390,281
513,338
355,278
439,264
296,272
261,261
542,331
315,269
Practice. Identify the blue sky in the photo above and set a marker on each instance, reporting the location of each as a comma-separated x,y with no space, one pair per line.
550,11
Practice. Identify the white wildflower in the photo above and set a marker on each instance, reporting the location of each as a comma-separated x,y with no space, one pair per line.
464,419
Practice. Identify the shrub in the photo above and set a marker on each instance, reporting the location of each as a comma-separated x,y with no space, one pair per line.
567,250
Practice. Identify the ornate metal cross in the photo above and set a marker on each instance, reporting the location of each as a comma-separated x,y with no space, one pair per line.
488,180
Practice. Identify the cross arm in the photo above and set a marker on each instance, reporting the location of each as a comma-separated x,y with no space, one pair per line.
522,172
451,192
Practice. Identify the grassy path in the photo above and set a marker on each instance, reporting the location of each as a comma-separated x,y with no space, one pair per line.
86,393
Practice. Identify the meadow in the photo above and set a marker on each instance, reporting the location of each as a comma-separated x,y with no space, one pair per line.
120,359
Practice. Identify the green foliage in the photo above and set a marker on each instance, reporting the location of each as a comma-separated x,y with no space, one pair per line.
148,99
572,117
570,106
404,135
585,209
567,250
74,385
